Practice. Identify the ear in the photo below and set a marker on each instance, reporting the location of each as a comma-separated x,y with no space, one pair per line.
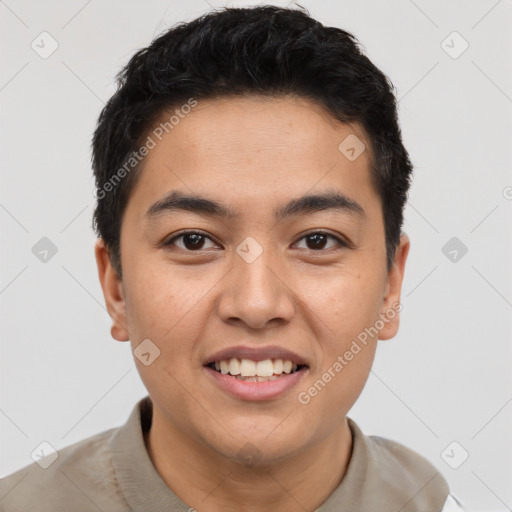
391,306
112,291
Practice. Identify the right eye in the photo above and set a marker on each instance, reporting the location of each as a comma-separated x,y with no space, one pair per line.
192,241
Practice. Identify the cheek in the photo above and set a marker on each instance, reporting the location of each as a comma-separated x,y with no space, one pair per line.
167,310
348,308
161,302
346,304
346,348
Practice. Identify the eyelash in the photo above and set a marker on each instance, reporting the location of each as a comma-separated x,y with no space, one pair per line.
341,242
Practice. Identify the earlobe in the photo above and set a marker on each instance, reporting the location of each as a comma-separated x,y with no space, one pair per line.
390,314
113,292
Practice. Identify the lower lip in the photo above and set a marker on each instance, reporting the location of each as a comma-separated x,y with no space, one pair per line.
256,390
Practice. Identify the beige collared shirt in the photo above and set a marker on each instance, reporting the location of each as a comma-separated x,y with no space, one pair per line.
112,472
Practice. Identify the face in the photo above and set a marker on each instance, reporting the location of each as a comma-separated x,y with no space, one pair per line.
261,277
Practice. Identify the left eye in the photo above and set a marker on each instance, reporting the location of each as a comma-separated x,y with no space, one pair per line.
319,240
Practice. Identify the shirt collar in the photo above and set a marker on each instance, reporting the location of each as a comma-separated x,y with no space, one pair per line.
142,486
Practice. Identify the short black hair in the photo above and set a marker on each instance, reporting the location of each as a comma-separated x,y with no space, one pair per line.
264,50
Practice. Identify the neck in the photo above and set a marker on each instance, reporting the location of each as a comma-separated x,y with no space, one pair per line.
205,480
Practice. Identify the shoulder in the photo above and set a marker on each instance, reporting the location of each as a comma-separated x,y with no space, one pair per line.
401,458
388,468
81,478
408,464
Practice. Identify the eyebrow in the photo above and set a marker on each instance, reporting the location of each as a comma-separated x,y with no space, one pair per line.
329,200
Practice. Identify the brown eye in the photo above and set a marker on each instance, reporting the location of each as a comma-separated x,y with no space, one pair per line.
191,241
317,241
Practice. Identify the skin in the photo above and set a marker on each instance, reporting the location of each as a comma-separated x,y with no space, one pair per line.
253,154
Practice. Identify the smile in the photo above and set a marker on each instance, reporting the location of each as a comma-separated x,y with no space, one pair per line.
255,387
249,370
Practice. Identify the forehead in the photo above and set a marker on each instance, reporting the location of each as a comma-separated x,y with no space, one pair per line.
257,148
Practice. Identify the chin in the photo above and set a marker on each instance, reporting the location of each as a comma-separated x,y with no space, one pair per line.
263,443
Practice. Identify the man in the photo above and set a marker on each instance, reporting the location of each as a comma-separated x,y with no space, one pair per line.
251,180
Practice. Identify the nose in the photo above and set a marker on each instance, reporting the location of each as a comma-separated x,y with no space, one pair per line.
257,294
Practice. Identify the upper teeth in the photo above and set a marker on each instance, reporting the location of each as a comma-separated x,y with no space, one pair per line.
249,368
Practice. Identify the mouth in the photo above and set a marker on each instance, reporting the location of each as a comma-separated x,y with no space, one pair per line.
261,373
249,370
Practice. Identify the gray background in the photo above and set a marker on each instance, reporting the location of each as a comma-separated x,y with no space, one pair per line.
445,377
